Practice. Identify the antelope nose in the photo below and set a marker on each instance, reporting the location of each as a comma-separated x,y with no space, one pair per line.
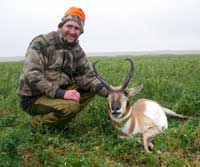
116,106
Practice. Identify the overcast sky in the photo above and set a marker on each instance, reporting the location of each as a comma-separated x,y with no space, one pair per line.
111,25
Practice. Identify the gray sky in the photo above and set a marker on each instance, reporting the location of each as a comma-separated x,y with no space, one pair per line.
111,25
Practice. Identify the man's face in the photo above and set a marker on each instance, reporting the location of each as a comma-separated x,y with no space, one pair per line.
71,30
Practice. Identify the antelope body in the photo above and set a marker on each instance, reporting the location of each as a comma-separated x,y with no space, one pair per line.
144,116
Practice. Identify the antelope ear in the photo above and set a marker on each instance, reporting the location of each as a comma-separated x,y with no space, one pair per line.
135,90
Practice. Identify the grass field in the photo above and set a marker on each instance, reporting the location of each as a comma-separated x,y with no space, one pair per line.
89,140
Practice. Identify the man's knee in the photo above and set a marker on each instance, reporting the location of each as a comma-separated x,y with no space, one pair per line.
60,107
69,106
64,112
55,111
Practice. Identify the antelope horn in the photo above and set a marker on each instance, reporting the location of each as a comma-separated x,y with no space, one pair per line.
129,76
100,78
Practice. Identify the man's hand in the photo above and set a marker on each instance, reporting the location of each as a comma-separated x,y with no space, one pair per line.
72,95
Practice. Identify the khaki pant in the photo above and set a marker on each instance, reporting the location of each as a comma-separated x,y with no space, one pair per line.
50,111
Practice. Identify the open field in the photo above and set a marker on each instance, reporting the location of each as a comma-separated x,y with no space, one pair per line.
89,140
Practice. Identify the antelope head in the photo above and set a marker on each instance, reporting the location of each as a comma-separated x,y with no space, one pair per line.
118,96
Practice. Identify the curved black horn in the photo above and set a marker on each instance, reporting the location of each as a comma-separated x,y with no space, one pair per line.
129,76
100,78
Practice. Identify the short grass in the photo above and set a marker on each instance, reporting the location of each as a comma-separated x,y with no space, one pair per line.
89,140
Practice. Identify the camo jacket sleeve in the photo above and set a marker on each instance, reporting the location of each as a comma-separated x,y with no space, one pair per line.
34,68
86,79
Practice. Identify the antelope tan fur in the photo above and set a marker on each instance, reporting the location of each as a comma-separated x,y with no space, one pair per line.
144,116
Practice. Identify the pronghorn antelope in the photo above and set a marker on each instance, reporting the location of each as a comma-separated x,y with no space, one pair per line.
144,116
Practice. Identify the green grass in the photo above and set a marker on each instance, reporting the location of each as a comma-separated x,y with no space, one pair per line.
89,140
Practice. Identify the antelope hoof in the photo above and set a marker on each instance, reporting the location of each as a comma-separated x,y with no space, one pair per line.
150,146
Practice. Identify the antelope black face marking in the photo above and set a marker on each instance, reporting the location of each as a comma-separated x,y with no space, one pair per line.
115,107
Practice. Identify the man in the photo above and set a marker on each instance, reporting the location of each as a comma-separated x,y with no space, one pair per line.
57,78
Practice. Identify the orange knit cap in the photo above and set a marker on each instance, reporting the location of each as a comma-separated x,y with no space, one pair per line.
76,11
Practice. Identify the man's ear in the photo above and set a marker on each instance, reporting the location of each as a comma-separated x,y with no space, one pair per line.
135,90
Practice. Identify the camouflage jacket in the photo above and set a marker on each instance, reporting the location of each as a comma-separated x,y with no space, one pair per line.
51,65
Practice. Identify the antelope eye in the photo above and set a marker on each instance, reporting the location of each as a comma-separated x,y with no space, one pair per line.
125,93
